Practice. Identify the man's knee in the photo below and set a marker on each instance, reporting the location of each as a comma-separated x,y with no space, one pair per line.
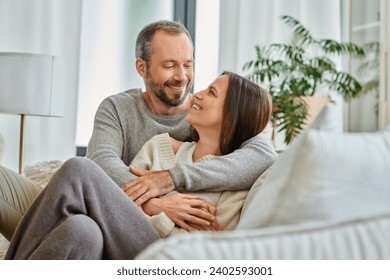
82,236
83,226
77,165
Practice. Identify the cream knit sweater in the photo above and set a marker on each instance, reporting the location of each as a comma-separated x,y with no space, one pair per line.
157,154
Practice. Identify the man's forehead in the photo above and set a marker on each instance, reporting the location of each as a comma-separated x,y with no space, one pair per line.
169,40
172,49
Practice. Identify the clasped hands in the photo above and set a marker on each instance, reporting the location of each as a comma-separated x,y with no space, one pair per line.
186,211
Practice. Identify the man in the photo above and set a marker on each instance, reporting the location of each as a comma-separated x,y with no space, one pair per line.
125,121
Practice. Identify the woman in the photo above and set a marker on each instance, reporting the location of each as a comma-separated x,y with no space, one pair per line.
223,117
82,214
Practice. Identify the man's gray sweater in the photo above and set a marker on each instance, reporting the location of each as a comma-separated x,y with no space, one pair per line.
123,123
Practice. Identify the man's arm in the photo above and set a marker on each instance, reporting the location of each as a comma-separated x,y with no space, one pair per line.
235,171
106,144
232,172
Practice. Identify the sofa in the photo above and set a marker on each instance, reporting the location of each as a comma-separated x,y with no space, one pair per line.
327,197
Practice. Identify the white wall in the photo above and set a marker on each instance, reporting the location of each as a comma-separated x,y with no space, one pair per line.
107,61
46,27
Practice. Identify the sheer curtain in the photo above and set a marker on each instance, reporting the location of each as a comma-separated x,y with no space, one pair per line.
107,58
243,24
44,27
247,23
367,24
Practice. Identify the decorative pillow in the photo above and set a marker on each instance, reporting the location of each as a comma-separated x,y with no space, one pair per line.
18,192
323,175
4,243
16,195
42,172
1,148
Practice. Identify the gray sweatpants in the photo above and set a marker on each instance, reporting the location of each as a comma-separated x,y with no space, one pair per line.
81,214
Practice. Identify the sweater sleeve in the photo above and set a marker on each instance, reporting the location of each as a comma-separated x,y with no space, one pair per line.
162,224
235,171
155,154
106,144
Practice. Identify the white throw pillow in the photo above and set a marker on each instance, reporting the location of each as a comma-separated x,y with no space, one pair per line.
323,175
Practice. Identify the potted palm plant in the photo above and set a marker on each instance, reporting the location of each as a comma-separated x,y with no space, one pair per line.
300,68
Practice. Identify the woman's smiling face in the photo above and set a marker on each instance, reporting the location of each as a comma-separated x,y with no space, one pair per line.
207,105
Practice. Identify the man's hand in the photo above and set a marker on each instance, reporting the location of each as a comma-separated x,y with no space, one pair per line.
186,211
150,184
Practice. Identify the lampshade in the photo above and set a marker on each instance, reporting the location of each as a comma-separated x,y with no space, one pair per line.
31,84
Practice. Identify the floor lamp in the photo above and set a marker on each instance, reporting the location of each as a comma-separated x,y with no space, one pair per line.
30,84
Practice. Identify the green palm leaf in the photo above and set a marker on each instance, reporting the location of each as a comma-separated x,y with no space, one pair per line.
299,67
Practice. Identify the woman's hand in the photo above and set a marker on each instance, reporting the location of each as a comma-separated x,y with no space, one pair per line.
186,211
215,226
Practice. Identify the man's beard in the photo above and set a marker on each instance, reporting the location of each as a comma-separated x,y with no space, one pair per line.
159,92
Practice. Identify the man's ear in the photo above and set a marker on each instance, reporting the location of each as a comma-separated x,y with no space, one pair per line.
140,65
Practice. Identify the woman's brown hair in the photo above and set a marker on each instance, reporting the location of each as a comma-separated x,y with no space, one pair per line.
246,112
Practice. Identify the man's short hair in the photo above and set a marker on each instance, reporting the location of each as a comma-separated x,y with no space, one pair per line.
144,38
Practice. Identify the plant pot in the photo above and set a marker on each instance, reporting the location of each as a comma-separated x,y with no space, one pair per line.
315,105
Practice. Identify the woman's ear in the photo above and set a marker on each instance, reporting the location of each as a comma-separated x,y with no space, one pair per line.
140,65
